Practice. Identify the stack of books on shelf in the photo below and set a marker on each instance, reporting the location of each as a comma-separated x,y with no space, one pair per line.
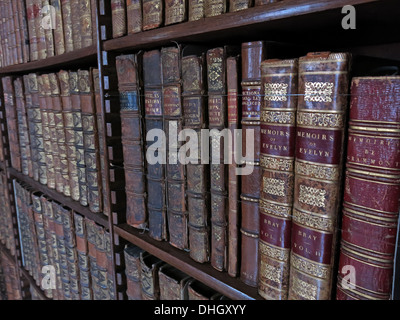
10,286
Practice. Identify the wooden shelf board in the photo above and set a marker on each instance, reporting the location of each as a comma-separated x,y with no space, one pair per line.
99,218
231,287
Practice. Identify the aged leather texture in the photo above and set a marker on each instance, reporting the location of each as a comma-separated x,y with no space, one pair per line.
173,283
118,12
134,16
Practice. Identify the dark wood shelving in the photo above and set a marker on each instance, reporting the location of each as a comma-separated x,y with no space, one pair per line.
99,218
231,287
75,58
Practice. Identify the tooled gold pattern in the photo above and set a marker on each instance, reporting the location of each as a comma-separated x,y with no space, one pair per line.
273,186
318,91
312,196
304,289
279,117
320,119
274,252
270,272
317,171
309,220
310,267
275,91
279,164
275,209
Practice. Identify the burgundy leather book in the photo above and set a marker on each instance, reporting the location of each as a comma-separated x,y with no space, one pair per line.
133,272
253,53
372,190
173,124
173,283
195,117
321,110
278,136
153,13
156,175
132,125
134,16
118,13
67,25
175,11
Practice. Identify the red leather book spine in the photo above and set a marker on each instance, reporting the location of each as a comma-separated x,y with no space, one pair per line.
321,111
253,54
278,129
372,190
118,9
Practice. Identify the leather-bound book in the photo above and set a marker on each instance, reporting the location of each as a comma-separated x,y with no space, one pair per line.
199,291
173,283
253,53
132,125
133,271
23,22
12,122
78,134
48,30
372,190
59,42
278,136
238,5
197,173
175,169
118,10
149,279
17,30
86,23
154,115
40,31
63,185
321,111
195,10
134,16
153,12
67,25
33,40
76,23
90,141
214,7
262,2
102,263
175,11
91,241
233,101
68,116
111,269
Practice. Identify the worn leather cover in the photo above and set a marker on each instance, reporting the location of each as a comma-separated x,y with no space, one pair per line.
175,11
118,13
76,11
156,173
134,16
67,25
133,272
59,43
193,92
253,53
214,7
132,123
278,128
372,189
173,124
321,110
33,41
48,32
40,32
195,9
199,291
237,5
23,22
153,12
262,2
15,24
173,283
149,279
86,23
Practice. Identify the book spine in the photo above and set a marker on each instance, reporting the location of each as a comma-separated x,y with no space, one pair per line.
233,76
76,23
94,272
238,5
217,119
93,11
118,11
195,117
132,126
68,118
321,110
67,25
175,11
59,42
150,265
40,32
134,16
48,24
173,283
175,169
263,2
154,118
110,264
278,128
371,192
102,263
17,31
214,8
195,10
133,271
33,40
153,11
86,23
24,30
253,53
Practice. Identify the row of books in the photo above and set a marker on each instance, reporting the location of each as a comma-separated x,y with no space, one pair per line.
149,278
134,16
33,30
6,222
53,131
278,227
9,283
68,255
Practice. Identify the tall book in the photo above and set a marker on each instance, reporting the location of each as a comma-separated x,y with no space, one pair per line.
154,118
175,11
59,42
134,16
321,111
118,14
132,125
195,10
153,13
173,283
175,169
253,53
372,190
278,136
86,23
197,173
24,30
76,23
33,40
67,25
133,272
150,265
263,2
40,31
47,25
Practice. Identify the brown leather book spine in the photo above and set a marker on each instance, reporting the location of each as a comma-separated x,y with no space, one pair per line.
321,111
118,9
79,138
214,8
33,40
175,11
173,283
59,42
67,25
48,27
263,2
134,16
154,118
195,10
372,188
12,122
199,291
102,263
278,129
149,279
40,32
86,23
233,76
217,119
132,123
93,11
197,173
253,53
22,16
68,117
17,31
133,272
92,253
153,11
238,5
76,23
173,124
